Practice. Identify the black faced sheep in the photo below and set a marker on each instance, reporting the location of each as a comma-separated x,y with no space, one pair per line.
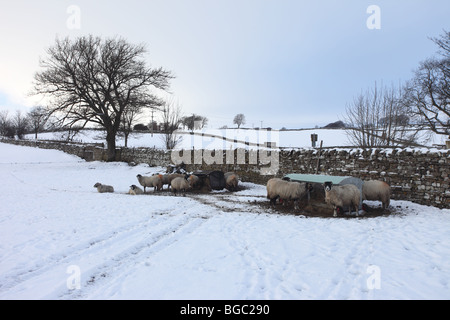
135,190
342,196
153,181
231,181
101,188
378,191
285,190
180,184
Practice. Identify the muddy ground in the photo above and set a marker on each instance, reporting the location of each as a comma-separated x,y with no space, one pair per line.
236,201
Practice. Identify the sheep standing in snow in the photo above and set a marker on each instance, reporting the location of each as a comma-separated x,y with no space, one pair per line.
285,190
180,184
153,181
378,191
193,180
135,190
232,181
342,196
103,188
167,178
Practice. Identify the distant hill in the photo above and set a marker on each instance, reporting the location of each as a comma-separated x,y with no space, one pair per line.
335,125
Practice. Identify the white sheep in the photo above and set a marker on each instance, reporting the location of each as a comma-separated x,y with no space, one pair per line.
180,184
153,181
286,190
167,178
135,190
342,196
103,188
231,181
378,191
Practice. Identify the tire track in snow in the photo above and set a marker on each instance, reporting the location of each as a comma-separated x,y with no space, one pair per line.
68,257
122,262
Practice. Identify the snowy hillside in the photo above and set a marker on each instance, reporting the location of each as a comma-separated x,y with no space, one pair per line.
284,139
60,239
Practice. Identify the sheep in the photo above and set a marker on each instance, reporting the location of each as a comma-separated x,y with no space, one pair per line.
285,190
167,178
180,184
135,190
153,181
103,188
193,180
377,190
232,181
342,196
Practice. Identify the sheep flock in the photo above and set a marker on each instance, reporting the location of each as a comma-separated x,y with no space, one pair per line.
339,198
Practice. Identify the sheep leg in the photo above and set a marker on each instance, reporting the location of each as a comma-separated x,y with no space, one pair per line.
273,201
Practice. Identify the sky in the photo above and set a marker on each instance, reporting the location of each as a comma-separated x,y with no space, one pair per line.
284,63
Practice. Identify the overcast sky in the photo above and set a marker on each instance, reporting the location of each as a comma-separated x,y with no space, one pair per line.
291,64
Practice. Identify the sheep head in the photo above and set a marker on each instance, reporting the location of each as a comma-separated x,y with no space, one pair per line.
328,186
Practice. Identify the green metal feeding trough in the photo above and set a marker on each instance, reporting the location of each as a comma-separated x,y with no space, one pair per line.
316,178
322,179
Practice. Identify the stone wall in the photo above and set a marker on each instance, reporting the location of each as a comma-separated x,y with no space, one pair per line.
88,152
414,175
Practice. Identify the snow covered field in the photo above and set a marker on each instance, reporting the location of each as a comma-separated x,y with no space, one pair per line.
284,139
60,239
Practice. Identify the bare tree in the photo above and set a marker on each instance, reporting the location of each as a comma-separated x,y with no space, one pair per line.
37,118
6,126
428,93
20,124
194,122
90,80
171,120
377,118
132,114
239,120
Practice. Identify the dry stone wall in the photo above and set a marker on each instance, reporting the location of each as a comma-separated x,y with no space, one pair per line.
414,175
88,152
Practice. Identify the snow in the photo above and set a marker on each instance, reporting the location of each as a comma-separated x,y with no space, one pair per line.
57,232
285,139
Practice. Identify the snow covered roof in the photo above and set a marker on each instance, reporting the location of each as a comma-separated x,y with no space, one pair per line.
316,178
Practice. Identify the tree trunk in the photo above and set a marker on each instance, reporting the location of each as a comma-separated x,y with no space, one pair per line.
126,134
111,146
